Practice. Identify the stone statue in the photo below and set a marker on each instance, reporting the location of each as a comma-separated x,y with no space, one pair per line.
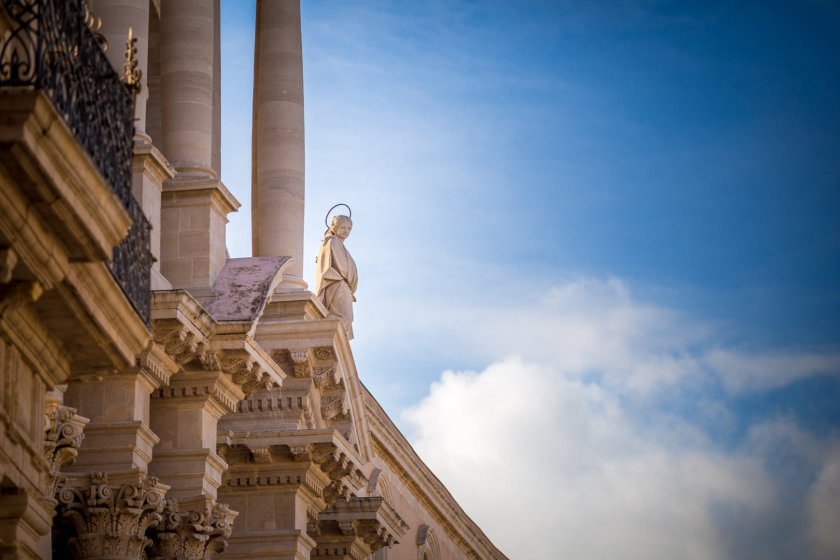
336,278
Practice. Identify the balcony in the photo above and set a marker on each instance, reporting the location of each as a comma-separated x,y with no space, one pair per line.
49,46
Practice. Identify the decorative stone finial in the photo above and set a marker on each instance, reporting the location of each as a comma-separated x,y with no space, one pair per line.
132,76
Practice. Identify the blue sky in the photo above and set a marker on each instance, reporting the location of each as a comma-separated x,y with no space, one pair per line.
614,216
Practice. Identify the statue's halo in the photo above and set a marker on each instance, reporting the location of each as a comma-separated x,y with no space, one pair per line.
327,217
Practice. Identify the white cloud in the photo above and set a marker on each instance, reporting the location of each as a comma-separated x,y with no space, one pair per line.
562,452
824,509
750,373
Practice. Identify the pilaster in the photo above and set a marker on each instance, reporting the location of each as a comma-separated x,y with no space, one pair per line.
119,437
149,171
185,415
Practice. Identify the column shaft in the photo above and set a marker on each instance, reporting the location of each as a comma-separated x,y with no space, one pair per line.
187,37
277,184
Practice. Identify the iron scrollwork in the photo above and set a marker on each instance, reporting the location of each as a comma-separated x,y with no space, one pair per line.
52,46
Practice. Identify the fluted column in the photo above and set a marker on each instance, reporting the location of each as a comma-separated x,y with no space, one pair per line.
277,181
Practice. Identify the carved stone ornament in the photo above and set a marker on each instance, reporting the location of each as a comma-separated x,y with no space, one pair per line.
62,438
192,535
324,353
300,363
324,377
179,343
110,521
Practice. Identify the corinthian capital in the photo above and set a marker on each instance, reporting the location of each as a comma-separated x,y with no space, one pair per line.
62,438
110,521
192,534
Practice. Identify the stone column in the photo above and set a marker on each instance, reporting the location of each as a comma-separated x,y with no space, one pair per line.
187,36
195,202
277,180
117,16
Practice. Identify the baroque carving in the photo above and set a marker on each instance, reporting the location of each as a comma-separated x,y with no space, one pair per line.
300,363
62,438
324,377
192,535
179,343
333,408
110,521
324,353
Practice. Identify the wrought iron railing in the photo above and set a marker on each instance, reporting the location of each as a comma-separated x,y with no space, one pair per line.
51,46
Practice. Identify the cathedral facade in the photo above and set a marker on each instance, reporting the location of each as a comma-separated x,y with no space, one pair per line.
158,399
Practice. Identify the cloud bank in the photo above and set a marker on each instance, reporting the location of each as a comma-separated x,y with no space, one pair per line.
601,437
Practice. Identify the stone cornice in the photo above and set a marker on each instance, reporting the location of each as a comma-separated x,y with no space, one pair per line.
323,448
97,298
185,185
211,389
191,336
398,454
157,365
366,523
319,348
149,160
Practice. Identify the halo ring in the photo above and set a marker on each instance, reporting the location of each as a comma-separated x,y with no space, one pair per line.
327,217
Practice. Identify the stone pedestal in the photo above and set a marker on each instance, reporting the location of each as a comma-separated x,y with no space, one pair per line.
194,215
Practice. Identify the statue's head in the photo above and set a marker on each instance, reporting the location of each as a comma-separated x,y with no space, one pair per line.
341,226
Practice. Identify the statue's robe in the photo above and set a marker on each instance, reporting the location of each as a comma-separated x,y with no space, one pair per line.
336,280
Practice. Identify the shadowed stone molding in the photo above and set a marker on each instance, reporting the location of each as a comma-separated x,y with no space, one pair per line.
291,463
356,528
63,436
195,341
110,520
192,530
427,543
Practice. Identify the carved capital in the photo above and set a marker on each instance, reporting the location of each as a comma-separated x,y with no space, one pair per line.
110,521
192,534
63,436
